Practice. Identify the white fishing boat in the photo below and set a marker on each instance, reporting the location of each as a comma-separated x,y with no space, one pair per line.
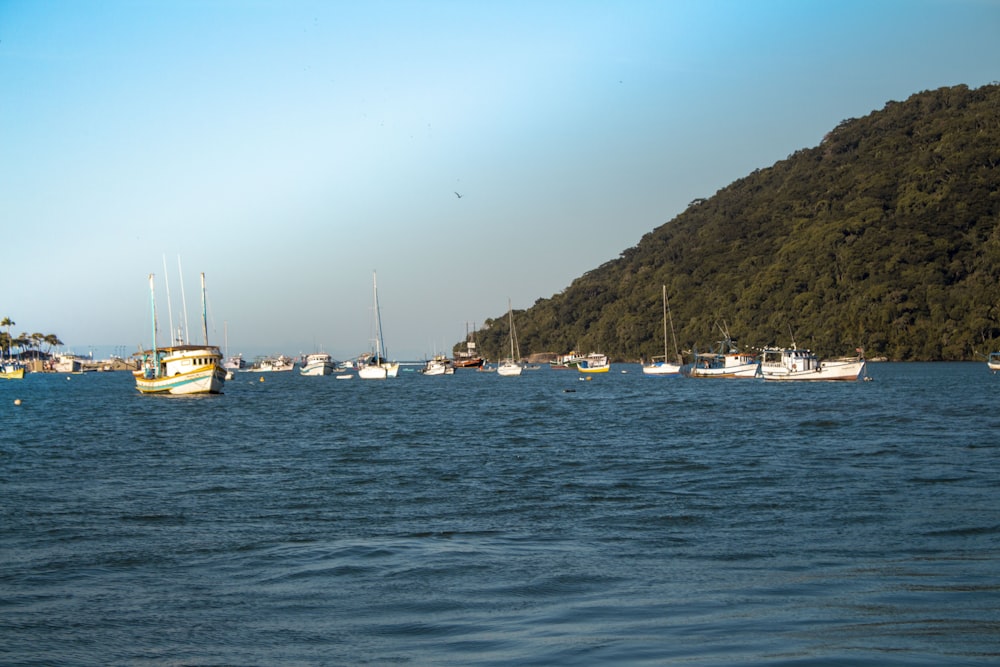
793,364
663,366
278,364
235,362
376,366
726,361
183,368
318,363
439,365
511,366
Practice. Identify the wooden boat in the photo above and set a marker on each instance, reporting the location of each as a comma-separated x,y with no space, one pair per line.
664,367
180,369
792,364
470,357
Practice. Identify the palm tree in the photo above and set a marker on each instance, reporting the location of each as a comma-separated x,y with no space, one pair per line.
36,342
51,340
7,322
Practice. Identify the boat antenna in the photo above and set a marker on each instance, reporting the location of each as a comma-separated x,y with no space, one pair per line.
170,314
204,310
184,305
152,303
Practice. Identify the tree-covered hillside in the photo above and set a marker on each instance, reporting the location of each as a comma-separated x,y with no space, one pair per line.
886,236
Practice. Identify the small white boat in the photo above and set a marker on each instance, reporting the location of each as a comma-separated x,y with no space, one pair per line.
235,363
993,362
725,362
277,364
664,367
510,367
181,369
792,364
439,365
375,366
318,363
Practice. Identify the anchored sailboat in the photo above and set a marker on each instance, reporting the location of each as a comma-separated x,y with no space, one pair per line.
377,367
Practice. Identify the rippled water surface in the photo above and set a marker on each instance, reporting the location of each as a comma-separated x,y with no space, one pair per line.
474,519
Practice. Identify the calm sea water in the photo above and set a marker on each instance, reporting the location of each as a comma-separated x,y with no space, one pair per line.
475,519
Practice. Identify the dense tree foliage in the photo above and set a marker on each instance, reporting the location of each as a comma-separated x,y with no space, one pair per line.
886,236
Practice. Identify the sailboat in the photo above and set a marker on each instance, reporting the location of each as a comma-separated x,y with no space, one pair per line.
510,366
376,367
180,368
664,367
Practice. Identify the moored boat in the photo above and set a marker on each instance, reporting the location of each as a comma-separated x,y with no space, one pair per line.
511,366
469,358
277,364
793,364
439,365
375,366
11,370
317,363
182,368
663,366
726,361
593,363
993,362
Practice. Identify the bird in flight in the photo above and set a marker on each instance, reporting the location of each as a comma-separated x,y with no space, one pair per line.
458,195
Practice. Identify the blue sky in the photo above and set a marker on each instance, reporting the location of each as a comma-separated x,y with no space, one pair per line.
289,148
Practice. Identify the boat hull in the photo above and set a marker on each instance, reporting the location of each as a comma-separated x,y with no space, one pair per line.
12,374
828,371
661,368
735,372
509,369
378,371
202,381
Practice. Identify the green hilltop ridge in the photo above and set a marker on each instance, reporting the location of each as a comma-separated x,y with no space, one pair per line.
886,237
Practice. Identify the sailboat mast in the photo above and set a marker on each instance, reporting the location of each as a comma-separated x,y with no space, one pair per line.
184,305
170,310
510,317
378,321
673,334
664,324
152,303
204,310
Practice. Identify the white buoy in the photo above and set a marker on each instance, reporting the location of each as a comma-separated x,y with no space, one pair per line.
17,401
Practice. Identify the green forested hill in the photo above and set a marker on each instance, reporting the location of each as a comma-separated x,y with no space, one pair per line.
885,236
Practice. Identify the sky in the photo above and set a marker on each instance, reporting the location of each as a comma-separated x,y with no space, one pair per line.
292,150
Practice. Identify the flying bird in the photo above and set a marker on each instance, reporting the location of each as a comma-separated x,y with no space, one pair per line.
458,195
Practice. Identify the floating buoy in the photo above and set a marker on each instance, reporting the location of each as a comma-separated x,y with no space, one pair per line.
569,391
17,401
261,378
67,378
